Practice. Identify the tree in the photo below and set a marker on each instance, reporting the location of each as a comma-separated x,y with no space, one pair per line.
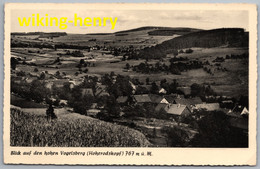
80,103
42,76
215,131
57,59
147,81
38,91
127,66
86,70
154,88
35,69
175,53
82,61
176,136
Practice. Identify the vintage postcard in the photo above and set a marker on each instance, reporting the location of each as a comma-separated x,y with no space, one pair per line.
130,84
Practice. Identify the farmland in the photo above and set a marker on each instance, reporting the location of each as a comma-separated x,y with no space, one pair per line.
70,131
129,89
103,64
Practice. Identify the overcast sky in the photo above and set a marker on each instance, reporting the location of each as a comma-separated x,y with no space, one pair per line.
129,19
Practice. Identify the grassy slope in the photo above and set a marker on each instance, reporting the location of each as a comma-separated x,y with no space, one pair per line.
70,130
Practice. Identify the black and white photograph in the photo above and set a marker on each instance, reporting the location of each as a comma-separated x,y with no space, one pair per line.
130,78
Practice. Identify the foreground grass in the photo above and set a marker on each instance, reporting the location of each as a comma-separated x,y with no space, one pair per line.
34,130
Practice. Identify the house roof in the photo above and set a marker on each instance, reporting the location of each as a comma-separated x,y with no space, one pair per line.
160,106
227,101
155,98
176,109
142,98
190,101
122,99
162,90
241,123
148,87
181,101
195,100
101,91
208,106
240,110
170,98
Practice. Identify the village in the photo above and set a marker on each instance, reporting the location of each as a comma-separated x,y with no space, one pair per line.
149,107
179,99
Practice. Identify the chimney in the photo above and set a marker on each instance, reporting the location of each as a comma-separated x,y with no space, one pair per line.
179,105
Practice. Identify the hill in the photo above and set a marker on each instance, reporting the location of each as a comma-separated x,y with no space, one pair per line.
71,130
228,37
153,31
172,31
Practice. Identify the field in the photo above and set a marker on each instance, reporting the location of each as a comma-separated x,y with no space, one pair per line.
29,129
232,82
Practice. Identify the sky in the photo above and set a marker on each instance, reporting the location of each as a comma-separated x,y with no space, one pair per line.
128,19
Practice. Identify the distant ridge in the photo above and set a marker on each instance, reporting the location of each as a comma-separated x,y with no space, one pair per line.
156,28
40,33
230,37
154,31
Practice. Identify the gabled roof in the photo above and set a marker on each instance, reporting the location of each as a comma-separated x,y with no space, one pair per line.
160,106
155,98
208,106
181,101
240,110
162,90
190,101
176,109
142,98
148,87
195,100
101,91
170,98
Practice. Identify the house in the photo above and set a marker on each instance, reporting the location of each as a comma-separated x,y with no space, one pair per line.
177,110
30,79
64,102
87,91
133,86
239,111
245,111
60,83
170,98
238,117
122,99
240,123
93,112
162,91
147,87
195,100
229,104
161,107
140,99
101,91
191,102
207,106
156,99
49,85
